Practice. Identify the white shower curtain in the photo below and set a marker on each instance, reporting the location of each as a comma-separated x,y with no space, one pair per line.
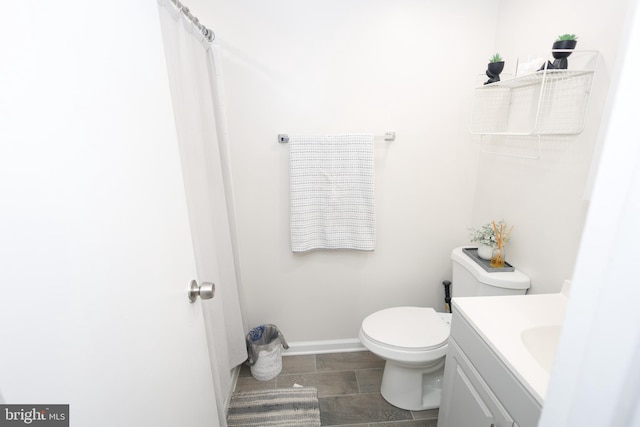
193,66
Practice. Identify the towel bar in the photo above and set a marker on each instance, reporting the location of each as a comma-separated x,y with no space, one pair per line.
388,136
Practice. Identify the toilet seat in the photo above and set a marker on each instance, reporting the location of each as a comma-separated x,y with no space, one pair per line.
397,328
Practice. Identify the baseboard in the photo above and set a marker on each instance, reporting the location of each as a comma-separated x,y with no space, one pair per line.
328,346
235,373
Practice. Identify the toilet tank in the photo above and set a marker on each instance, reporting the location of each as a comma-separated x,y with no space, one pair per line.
470,279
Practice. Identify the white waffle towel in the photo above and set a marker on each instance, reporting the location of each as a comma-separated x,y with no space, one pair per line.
332,192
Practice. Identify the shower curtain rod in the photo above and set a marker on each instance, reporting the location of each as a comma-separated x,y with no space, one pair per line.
210,35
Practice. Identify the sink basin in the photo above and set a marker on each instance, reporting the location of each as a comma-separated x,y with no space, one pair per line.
524,335
542,343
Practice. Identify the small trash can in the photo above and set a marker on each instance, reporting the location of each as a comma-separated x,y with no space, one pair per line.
264,346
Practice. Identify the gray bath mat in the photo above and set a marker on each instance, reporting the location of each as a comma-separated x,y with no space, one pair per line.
295,407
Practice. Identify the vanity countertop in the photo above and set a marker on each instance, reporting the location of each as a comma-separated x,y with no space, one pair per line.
523,331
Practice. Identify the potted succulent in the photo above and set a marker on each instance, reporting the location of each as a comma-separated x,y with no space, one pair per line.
562,48
494,68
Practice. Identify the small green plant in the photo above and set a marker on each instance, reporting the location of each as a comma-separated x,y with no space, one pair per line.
567,37
495,58
486,235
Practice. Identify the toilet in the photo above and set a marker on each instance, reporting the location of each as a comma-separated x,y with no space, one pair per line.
413,340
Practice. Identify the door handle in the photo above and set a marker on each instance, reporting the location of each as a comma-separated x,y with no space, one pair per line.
204,291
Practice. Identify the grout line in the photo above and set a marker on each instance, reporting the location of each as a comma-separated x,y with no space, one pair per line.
340,370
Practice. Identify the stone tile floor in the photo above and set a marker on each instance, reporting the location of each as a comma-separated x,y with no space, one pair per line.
348,389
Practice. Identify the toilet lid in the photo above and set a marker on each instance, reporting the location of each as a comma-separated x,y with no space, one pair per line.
407,327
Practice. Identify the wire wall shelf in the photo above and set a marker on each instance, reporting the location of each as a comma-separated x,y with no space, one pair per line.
545,102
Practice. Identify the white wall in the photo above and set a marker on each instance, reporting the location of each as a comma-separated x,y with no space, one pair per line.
545,199
358,66
404,66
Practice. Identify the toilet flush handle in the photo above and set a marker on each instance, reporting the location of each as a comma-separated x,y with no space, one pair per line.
204,291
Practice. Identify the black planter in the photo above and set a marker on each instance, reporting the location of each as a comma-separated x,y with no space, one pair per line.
561,62
495,68
493,71
563,44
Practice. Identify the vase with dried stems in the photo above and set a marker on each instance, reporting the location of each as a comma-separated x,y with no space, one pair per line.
502,237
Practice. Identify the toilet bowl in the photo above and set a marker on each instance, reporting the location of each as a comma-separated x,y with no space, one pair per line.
413,340
412,377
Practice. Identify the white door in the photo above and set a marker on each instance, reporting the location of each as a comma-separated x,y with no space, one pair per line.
95,251
194,73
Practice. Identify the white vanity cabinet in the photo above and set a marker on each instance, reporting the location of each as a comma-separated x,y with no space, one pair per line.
479,390
469,400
